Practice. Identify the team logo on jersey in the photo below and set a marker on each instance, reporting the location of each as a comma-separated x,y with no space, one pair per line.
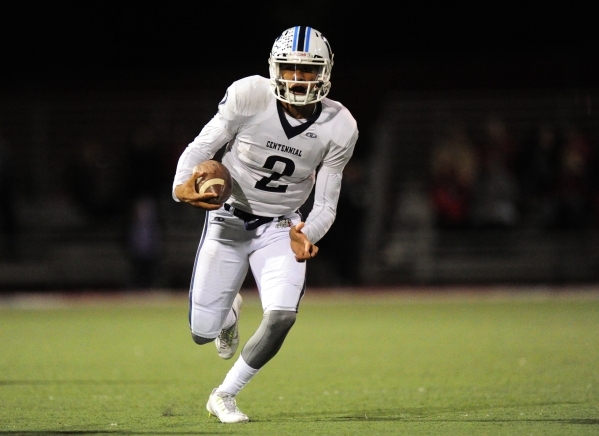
311,135
284,222
218,218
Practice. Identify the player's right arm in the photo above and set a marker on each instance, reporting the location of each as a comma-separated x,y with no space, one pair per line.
203,147
220,130
186,193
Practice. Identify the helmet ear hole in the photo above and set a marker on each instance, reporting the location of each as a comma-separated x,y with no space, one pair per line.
301,45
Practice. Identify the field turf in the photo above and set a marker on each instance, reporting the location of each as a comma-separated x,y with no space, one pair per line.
356,363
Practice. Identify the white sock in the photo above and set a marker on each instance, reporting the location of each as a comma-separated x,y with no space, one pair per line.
237,377
231,318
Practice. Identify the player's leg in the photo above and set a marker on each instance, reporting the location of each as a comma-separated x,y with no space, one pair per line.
280,279
220,267
266,342
281,283
228,339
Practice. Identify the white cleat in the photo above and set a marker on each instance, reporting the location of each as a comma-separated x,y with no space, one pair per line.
228,340
224,407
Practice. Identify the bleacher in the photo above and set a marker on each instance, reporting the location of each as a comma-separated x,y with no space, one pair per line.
401,243
60,248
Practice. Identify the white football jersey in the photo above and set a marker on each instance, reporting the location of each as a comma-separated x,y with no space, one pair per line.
273,158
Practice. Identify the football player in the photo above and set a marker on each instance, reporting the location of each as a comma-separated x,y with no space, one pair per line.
283,138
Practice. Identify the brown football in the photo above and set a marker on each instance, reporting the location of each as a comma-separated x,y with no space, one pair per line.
217,180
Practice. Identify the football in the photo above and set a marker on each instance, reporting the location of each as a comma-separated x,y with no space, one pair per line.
217,180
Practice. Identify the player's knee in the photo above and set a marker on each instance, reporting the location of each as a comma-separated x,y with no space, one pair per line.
200,340
281,320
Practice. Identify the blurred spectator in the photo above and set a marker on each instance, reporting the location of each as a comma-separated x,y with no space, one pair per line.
148,177
495,203
340,242
95,179
454,172
178,142
144,242
8,219
498,144
147,165
537,176
574,183
594,170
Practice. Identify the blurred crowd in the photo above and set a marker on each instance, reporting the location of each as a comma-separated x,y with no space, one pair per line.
8,217
548,179
126,186
481,177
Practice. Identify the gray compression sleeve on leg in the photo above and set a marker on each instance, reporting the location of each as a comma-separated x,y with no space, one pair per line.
269,337
201,340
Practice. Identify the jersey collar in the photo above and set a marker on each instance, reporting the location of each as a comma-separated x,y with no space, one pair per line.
292,131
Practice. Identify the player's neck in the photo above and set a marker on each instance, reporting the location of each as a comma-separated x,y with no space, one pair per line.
299,112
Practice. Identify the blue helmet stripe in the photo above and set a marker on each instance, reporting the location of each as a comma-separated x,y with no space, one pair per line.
296,32
307,42
300,44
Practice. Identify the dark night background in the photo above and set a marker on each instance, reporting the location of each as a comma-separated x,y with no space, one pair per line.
64,55
407,45
67,47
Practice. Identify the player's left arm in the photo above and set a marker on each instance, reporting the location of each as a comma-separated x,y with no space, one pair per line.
327,189
300,244
305,234
326,195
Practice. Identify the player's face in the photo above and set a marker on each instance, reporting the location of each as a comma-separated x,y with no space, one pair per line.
299,73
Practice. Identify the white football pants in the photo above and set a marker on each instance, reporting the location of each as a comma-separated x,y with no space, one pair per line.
226,251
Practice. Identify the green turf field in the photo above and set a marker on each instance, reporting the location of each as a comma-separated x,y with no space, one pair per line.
354,364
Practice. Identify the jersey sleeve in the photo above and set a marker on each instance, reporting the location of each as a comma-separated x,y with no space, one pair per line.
239,103
211,138
328,188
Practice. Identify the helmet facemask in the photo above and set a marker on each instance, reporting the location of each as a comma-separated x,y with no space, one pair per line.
318,54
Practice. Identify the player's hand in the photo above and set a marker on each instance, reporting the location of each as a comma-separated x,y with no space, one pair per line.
187,193
300,244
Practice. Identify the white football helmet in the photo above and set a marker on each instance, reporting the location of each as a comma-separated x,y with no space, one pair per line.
301,45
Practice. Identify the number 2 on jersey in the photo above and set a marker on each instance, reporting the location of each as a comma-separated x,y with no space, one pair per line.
262,184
